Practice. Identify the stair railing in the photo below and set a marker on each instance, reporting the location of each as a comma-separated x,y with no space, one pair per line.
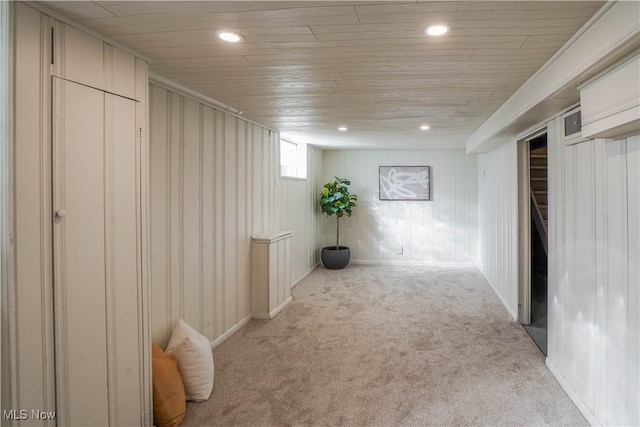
538,220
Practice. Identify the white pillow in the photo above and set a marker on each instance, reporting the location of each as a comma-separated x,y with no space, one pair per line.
195,360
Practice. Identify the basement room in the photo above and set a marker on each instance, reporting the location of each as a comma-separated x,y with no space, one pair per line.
361,213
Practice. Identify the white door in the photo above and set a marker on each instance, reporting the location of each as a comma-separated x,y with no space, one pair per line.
96,277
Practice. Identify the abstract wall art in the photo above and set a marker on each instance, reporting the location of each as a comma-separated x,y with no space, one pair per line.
405,183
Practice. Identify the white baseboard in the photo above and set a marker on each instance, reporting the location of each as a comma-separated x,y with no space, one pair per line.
273,313
413,263
265,316
222,338
278,309
591,419
304,276
513,315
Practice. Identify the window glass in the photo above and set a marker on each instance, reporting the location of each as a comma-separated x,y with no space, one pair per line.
293,159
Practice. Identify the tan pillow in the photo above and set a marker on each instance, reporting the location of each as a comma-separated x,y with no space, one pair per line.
169,401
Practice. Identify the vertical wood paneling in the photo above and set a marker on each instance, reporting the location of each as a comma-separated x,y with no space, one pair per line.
158,222
425,231
81,251
265,204
273,178
174,163
316,184
633,355
142,173
498,218
617,283
31,325
581,290
257,168
593,279
30,299
121,66
213,187
299,213
190,230
83,58
6,194
564,350
97,273
218,213
208,222
243,237
230,209
123,309
600,326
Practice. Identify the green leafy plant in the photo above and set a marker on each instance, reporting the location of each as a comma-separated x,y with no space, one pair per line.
335,199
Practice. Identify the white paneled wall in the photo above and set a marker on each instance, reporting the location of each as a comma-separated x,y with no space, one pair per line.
212,185
300,214
594,284
498,206
33,380
4,201
443,230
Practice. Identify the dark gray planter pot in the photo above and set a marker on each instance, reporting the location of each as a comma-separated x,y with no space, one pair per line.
335,259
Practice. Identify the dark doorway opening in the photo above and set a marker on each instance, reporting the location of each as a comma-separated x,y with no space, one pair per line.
537,328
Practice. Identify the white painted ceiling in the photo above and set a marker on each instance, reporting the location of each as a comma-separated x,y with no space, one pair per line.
306,68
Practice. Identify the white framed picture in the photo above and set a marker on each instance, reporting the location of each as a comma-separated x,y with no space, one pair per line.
405,183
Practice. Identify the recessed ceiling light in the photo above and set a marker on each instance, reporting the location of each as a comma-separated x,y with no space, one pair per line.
436,30
424,127
230,37
342,128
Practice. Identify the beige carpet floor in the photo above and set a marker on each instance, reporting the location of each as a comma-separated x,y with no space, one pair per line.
385,346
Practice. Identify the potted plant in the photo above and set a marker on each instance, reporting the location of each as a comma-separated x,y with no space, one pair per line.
335,199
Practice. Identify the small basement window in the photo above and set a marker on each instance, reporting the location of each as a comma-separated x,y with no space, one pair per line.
293,159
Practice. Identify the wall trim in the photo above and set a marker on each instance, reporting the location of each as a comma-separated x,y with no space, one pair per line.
414,263
513,315
304,276
591,419
273,313
222,338
170,85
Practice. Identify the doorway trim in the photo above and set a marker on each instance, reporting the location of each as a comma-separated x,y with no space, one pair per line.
524,227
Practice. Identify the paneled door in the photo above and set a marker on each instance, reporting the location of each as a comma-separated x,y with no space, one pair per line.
97,293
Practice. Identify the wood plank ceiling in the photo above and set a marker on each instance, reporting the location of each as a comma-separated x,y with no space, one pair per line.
306,68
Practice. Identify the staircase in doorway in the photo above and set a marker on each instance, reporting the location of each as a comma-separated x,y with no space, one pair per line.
537,327
539,192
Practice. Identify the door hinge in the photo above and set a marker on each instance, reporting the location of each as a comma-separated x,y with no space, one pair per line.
140,132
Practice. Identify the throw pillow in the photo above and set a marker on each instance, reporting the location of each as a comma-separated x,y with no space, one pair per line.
195,360
169,403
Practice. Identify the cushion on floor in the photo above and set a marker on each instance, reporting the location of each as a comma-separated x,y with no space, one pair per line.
195,360
169,403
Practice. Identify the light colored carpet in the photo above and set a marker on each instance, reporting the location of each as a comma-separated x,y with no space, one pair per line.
385,346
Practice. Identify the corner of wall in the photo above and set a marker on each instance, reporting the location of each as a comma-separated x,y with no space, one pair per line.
5,196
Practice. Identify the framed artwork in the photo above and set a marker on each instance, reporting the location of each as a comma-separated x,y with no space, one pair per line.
405,183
